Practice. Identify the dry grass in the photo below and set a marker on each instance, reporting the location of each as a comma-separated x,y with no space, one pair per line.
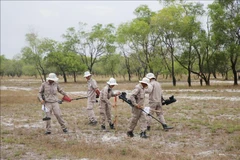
206,124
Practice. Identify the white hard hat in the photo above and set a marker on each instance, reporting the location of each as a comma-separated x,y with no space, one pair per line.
112,82
52,77
145,80
86,74
150,76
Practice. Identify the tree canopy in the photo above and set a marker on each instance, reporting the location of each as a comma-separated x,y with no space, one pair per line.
170,42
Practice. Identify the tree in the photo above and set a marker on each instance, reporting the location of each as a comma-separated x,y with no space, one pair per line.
165,24
29,70
220,64
137,39
65,61
188,32
91,45
2,65
225,21
109,64
34,53
205,50
9,68
124,50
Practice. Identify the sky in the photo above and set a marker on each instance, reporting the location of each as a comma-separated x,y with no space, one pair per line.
50,19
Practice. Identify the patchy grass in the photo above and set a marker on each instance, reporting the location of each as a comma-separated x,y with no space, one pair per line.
205,119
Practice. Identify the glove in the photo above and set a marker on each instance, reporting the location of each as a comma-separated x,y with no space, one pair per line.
138,106
97,93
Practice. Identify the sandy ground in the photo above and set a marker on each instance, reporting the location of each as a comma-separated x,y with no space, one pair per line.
188,140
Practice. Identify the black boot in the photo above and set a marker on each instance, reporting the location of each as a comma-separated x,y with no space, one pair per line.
103,127
130,134
166,128
65,130
93,123
46,118
143,135
111,125
47,132
148,128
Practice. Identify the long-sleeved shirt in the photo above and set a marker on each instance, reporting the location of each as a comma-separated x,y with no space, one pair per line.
49,92
138,95
106,94
155,91
92,86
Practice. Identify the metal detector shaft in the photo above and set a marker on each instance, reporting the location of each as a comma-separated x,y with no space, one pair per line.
61,101
151,115
79,98
123,97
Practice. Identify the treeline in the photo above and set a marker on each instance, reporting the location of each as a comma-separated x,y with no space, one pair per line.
172,41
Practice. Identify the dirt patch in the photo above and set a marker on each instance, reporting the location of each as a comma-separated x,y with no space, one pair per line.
206,126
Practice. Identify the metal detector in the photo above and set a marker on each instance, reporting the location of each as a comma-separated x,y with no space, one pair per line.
66,98
124,98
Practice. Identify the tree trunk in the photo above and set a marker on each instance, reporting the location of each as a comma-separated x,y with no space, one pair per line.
201,81
214,75
74,76
207,79
189,78
235,75
207,82
64,77
41,76
129,76
173,73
